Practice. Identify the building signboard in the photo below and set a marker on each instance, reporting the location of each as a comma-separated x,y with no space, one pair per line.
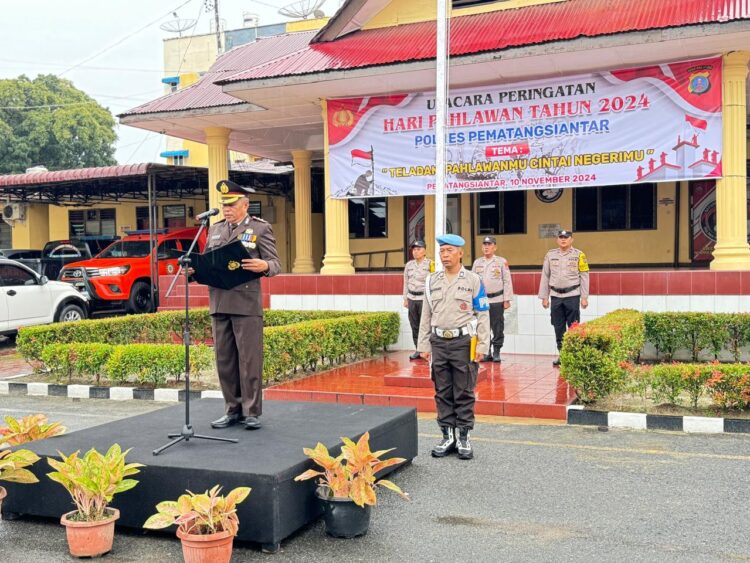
650,124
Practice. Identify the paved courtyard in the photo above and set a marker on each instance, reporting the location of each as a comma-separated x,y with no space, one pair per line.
535,493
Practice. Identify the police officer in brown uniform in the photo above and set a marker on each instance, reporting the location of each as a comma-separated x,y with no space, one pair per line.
495,276
565,280
237,313
415,273
455,332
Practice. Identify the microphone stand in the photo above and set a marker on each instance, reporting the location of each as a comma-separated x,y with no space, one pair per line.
187,429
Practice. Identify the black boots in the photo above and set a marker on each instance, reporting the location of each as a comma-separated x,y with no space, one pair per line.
447,444
415,356
496,356
454,439
487,358
463,444
556,363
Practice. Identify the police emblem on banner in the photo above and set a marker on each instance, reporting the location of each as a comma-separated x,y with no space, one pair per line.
699,83
170,268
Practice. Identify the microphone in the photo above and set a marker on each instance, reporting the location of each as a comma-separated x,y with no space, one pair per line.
206,214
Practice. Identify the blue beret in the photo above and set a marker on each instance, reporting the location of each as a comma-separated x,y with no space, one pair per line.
453,240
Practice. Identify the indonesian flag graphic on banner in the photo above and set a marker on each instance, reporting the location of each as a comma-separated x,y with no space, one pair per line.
661,123
363,158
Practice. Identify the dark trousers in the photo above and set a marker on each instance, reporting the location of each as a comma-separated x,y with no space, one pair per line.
455,378
415,314
564,312
497,325
238,345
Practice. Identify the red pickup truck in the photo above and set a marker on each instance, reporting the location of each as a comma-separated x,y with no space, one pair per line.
119,277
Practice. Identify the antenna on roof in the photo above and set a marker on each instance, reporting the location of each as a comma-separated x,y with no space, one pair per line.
301,9
178,24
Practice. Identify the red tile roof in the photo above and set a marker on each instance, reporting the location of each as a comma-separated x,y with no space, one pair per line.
495,31
76,174
205,94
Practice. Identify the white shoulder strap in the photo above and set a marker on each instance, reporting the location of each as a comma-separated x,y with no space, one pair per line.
427,290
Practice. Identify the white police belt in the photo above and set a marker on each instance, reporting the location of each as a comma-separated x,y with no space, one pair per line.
449,333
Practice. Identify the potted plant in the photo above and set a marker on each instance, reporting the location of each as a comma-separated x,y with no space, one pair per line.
92,481
206,523
28,429
12,469
347,484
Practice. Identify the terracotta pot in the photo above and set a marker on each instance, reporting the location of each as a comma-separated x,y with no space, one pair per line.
3,494
206,548
90,539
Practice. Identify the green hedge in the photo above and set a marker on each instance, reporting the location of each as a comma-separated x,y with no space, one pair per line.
143,364
121,350
598,357
728,385
698,333
314,343
154,328
594,354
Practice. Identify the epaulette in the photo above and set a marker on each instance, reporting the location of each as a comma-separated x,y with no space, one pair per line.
220,221
254,218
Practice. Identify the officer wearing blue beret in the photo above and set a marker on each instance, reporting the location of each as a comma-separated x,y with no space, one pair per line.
454,333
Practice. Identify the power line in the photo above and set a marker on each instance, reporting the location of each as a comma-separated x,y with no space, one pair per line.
123,39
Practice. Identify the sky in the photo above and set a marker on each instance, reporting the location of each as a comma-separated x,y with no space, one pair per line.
112,49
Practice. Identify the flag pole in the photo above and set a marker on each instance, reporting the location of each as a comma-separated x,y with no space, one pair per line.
441,95
372,168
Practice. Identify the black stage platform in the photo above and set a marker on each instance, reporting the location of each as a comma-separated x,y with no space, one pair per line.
266,460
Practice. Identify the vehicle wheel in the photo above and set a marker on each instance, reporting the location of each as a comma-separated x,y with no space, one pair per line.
71,312
140,298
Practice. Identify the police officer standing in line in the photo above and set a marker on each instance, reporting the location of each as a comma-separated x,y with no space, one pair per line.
455,333
237,313
495,275
415,273
565,280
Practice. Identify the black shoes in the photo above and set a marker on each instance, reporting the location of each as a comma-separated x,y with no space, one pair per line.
447,444
252,423
415,356
463,445
487,358
228,420
556,363
496,357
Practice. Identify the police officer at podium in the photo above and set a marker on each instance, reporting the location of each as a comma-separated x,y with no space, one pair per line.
415,274
237,313
495,276
564,287
454,334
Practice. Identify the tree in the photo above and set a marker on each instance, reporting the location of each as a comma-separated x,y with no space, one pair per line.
48,121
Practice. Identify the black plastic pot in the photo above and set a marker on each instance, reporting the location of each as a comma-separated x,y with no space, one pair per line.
343,518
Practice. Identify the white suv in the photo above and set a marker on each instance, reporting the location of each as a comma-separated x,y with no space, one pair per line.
26,299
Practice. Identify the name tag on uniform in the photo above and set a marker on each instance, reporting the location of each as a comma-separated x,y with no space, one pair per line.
213,237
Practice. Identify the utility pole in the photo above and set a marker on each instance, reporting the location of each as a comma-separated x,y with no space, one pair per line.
214,5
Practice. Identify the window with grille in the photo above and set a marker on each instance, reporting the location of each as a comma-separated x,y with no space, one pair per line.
615,208
141,218
174,216
502,213
92,222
